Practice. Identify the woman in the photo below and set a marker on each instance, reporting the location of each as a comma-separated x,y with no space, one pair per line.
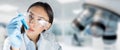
39,20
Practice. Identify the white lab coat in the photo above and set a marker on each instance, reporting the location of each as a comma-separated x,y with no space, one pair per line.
47,42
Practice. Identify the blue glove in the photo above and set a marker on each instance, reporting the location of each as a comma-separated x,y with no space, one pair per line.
14,31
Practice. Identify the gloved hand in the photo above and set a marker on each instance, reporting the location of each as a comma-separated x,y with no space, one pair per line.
14,31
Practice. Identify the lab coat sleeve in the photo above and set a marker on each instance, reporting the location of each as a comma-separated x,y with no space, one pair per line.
52,39
6,44
56,45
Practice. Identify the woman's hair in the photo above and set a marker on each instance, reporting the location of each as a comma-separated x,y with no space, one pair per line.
46,7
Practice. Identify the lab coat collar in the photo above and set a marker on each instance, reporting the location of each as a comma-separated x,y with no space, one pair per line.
27,40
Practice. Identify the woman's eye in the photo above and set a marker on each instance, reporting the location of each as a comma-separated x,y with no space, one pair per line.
30,16
39,19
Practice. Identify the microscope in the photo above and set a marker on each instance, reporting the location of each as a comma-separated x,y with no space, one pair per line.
99,18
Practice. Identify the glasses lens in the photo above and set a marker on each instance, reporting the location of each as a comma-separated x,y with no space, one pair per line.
42,22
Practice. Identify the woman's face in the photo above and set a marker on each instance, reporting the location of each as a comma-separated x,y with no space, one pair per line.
36,14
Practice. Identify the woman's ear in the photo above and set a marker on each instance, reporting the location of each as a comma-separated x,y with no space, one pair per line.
48,26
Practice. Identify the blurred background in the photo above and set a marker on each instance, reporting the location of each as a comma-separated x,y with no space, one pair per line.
65,11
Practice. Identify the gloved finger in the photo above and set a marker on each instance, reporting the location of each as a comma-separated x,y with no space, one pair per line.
18,18
15,25
13,31
14,28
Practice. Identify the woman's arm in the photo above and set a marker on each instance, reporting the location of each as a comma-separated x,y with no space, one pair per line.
14,32
7,45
